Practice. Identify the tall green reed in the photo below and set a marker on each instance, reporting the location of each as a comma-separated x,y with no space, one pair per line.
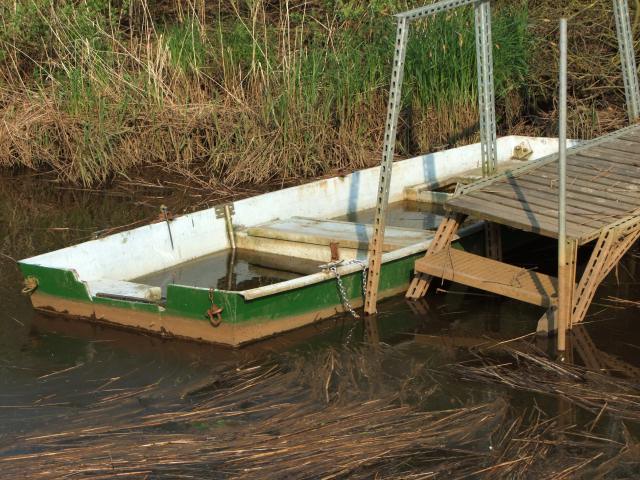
253,93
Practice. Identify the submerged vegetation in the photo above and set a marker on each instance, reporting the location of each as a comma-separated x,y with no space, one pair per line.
253,91
352,412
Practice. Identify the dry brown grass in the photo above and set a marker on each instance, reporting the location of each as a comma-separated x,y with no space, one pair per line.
235,92
596,90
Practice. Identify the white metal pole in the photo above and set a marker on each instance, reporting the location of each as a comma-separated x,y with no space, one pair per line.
563,301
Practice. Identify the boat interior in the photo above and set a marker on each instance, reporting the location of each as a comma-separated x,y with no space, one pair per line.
285,249
264,253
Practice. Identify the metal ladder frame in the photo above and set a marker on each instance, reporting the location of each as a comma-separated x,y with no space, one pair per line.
486,100
627,58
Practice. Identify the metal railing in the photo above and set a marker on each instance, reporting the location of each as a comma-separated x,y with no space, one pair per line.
486,102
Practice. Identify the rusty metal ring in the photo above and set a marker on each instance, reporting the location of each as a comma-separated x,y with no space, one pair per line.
214,313
30,285
215,319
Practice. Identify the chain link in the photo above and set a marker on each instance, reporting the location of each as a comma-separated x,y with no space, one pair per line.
333,268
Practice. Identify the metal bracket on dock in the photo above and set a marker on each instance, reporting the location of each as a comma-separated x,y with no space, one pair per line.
486,95
627,58
438,7
486,100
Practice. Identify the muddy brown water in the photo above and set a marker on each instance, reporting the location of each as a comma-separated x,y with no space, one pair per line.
53,370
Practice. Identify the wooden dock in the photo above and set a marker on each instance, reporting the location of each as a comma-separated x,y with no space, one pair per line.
603,205
603,187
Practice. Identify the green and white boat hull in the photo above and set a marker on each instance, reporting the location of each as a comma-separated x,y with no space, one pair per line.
95,280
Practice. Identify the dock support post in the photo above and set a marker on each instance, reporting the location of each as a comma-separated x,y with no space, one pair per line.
493,241
486,95
565,285
393,110
608,251
627,58
442,239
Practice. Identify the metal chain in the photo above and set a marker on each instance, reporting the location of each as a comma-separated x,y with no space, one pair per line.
333,268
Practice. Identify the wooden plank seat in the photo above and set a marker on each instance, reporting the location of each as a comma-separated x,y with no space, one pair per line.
345,234
491,276
122,289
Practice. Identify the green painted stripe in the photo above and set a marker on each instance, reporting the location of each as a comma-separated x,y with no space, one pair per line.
56,281
192,302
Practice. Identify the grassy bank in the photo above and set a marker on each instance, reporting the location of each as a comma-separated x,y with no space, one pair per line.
253,91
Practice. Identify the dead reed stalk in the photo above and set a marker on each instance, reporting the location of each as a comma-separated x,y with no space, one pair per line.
327,415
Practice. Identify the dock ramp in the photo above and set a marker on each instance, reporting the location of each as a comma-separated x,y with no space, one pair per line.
603,207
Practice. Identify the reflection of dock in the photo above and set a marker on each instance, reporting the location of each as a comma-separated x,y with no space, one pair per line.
580,344
596,359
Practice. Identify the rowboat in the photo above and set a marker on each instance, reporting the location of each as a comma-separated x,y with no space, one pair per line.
245,271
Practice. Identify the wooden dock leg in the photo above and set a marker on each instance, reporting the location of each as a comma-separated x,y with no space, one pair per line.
493,241
593,274
609,249
625,243
548,323
566,289
441,240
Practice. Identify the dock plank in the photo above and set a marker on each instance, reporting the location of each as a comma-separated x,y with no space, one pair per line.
538,193
491,276
534,198
535,210
603,186
512,216
614,152
590,193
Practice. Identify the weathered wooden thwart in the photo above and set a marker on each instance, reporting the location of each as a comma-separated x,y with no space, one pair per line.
603,205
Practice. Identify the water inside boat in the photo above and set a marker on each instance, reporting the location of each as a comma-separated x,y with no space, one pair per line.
247,268
405,214
229,270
